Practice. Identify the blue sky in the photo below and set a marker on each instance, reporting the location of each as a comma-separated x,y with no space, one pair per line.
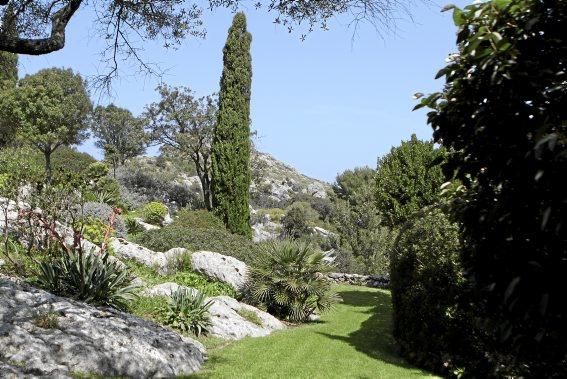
332,102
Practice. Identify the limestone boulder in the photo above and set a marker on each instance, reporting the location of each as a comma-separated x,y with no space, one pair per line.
228,321
98,341
220,267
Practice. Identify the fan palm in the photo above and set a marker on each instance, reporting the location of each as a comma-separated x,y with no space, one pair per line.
288,281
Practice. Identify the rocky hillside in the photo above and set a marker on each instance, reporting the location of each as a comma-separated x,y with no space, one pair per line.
281,182
274,183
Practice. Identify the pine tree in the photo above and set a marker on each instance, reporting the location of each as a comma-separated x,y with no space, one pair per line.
231,142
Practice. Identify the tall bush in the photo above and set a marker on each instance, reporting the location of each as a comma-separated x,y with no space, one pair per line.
426,280
503,116
408,179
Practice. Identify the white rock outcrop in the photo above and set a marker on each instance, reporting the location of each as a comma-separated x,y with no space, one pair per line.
85,339
226,321
220,267
162,262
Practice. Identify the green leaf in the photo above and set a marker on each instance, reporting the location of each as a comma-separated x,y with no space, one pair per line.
501,4
458,17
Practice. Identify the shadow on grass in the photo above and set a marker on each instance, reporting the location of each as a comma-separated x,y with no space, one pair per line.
374,337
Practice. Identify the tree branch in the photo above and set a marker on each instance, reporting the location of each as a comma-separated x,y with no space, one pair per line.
56,41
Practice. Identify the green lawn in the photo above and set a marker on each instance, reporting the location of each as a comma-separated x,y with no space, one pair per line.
352,341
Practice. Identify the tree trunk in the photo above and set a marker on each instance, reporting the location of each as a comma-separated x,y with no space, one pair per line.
203,172
47,155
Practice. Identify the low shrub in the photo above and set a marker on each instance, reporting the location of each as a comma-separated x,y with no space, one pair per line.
203,284
199,219
426,281
184,277
102,188
154,213
102,212
156,179
220,241
91,278
133,227
188,311
94,230
286,280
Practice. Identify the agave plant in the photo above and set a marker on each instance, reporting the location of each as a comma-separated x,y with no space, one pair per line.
91,278
287,281
188,311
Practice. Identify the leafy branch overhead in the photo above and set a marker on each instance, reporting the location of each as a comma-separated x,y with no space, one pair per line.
42,25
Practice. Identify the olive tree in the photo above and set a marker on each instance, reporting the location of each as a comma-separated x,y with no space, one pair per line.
183,123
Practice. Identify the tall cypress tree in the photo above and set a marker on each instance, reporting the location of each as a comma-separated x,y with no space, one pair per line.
231,142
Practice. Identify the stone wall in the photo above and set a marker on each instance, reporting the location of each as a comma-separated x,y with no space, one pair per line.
375,281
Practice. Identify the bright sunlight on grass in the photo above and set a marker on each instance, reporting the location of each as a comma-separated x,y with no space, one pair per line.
352,341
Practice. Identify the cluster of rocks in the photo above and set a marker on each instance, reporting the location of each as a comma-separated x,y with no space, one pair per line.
375,281
226,319
83,339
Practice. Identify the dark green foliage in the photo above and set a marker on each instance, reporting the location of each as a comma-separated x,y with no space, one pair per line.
286,280
8,61
100,186
503,112
69,159
220,241
231,142
91,278
364,242
133,227
345,261
200,219
295,222
426,280
352,183
188,311
49,109
323,206
119,134
8,75
408,179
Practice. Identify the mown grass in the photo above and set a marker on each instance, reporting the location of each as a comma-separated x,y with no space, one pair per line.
352,341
